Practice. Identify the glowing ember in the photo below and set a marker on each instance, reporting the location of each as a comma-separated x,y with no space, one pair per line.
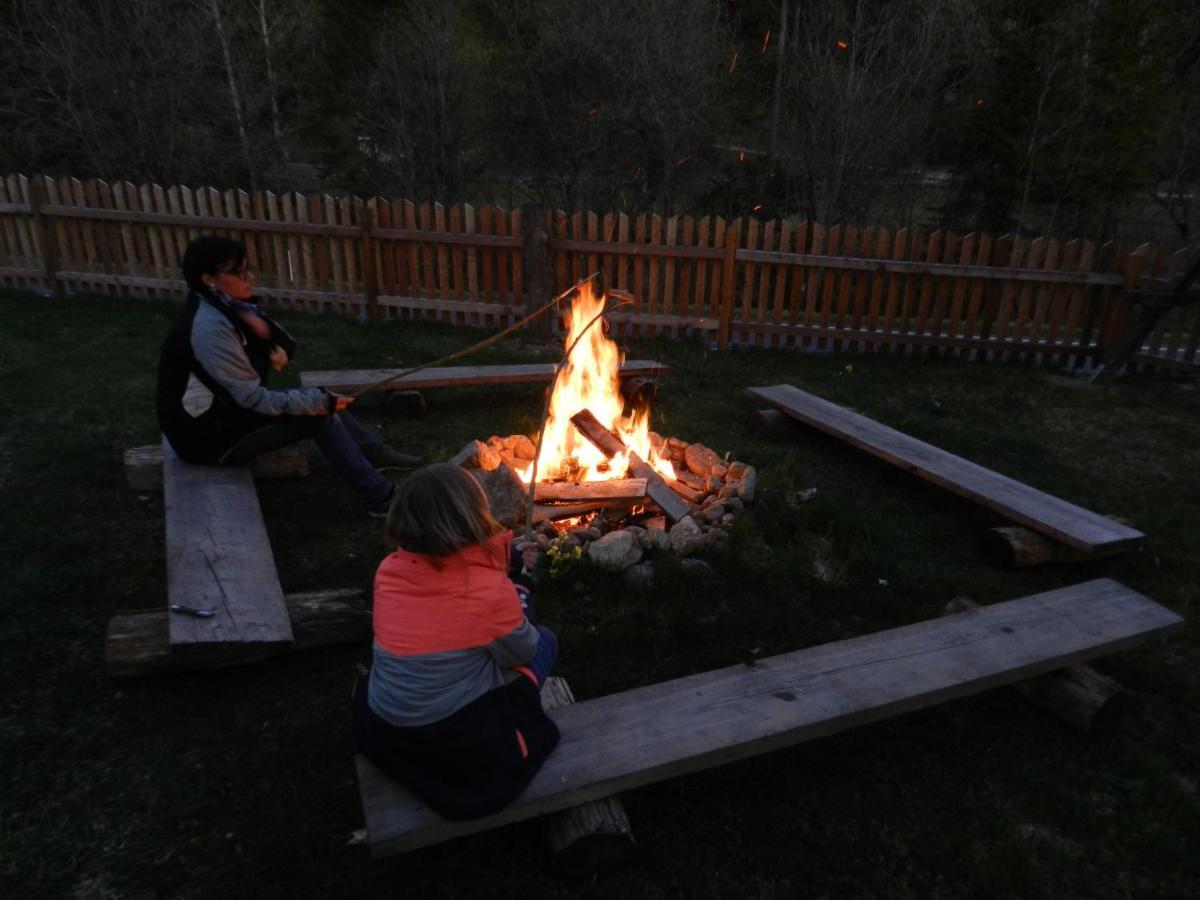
590,380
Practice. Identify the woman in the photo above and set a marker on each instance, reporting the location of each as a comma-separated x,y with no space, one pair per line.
451,705
214,405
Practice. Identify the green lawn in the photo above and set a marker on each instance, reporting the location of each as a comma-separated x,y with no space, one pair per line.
239,782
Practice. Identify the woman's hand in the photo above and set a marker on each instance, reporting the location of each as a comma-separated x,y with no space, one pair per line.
342,401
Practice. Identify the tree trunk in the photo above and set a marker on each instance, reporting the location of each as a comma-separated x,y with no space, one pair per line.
234,95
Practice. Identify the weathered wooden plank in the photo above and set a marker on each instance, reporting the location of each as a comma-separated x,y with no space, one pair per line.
1073,525
701,721
657,489
578,492
353,379
219,557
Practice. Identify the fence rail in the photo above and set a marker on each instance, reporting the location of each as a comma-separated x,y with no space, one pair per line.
745,281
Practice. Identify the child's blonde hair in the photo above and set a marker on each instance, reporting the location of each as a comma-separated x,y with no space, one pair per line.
439,510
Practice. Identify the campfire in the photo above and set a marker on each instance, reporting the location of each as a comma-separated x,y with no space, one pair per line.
606,483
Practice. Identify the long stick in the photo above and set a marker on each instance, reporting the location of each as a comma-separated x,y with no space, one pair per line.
487,342
621,300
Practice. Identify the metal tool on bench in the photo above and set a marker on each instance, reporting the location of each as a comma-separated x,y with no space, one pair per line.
193,611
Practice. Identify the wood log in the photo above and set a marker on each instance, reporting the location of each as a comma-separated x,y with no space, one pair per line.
593,836
658,490
143,465
1078,695
1015,547
544,512
405,405
138,643
774,422
637,393
592,429
668,496
581,492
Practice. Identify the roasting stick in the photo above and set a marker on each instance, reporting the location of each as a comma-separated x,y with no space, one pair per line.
621,299
487,342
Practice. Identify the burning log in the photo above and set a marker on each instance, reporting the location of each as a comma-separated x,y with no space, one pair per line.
658,490
544,513
610,445
591,428
580,492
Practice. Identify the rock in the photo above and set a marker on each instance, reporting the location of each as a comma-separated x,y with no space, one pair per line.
729,490
616,551
695,566
519,446
736,471
477,455
728,519
655,539
713,483
733,504
695,482
718,509
659,522
686,536
636,530
699,459
746,487
580,534
716,539
641,575
542,541
720,470
505,493
547,528
676,443
496,442
593,533
710,500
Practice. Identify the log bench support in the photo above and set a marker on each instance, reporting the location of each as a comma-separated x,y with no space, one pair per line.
623,741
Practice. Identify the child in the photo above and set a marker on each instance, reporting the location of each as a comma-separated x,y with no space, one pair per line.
451,706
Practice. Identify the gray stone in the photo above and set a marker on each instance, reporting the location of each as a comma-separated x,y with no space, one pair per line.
655,539
505,493
641,575
747,485
695,567
615,551
736,471
687,537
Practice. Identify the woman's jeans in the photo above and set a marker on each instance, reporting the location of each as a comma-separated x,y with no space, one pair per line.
341,438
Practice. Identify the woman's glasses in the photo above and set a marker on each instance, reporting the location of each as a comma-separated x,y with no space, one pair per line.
246,274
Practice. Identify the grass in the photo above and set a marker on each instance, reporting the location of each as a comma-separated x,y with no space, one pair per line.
239,782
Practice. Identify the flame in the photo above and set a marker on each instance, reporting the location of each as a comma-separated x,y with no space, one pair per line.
590,380
842,45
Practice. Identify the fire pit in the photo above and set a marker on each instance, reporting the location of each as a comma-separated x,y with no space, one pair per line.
607,484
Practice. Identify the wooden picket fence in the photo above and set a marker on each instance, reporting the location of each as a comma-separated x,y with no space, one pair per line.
774,283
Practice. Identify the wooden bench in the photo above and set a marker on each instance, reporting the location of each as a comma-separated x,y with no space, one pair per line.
1088,532
219,557
348,381
622,741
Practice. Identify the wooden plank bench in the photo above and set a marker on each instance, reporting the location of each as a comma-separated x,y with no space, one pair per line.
348,381
219,557
622,741
1085,531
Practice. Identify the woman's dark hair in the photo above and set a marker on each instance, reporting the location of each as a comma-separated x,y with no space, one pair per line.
209,254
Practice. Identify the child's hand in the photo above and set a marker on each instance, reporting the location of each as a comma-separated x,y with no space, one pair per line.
530,554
